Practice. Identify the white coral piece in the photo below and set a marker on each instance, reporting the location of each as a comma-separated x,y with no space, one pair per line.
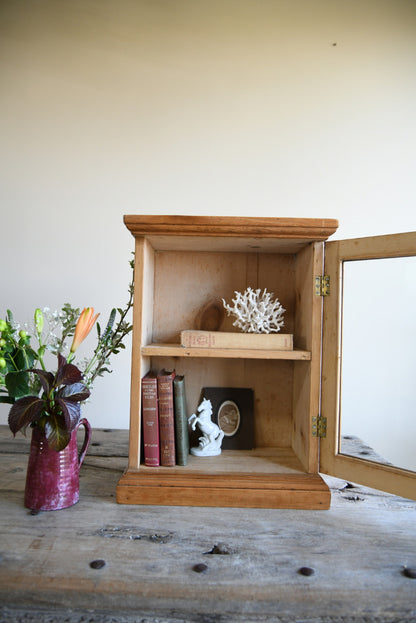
256,311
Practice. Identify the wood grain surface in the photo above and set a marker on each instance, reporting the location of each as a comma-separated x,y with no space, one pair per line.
176,564
272,227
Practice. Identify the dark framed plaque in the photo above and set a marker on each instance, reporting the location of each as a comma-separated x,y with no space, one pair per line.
233,411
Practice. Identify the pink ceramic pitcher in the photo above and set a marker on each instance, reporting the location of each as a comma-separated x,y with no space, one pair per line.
52,480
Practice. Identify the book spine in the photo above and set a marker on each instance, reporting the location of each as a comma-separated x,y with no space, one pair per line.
166,418
220,339
181,421
150,419
199,339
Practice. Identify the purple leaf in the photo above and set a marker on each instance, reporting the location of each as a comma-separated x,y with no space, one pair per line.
46,379
67,375
71,412
56,433
25,411
77,392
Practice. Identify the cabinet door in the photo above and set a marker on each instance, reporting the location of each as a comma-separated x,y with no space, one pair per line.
369,363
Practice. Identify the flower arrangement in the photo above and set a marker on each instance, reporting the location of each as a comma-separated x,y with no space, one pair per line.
52,400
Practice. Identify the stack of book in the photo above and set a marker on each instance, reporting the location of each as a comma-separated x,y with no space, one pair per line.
164,419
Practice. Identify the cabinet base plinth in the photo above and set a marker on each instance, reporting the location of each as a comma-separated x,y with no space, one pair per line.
302,491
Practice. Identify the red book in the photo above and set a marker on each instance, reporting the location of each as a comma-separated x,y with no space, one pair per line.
150,415
166,418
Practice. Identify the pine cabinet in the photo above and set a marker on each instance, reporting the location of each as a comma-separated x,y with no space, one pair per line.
184,265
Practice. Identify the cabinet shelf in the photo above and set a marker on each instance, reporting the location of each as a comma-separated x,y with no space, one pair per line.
259,461
176,350
260,478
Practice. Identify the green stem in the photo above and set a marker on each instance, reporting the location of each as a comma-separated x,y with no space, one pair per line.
94,359
40,359
118,333
40,352
13,362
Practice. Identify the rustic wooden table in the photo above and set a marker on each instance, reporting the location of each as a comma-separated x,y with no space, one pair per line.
361,552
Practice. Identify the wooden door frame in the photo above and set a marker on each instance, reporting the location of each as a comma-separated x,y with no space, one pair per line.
387,478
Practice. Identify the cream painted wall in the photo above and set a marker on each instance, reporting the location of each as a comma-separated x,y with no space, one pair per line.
234,107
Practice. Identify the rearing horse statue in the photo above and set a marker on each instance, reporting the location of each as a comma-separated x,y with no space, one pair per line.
212,435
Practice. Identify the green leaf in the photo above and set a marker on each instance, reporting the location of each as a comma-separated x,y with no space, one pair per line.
17,384
110,323
32,353
8,354
24,358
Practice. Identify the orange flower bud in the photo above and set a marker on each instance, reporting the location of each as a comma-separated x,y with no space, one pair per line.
84,325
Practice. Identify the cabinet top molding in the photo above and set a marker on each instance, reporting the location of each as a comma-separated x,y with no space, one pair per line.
231,226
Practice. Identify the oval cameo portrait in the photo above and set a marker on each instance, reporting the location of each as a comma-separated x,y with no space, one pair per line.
229,418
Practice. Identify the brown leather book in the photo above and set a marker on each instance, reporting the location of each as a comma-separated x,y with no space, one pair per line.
150,415
166,418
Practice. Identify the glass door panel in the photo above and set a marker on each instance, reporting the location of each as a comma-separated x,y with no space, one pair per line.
378,373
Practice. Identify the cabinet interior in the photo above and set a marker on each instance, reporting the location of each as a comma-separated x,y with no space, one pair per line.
180,283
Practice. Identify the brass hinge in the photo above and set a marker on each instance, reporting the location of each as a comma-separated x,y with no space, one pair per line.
319,426
322,285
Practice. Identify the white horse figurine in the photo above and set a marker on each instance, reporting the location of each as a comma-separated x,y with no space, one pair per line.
212,435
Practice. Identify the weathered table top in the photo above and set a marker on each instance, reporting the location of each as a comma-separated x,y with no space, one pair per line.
359,551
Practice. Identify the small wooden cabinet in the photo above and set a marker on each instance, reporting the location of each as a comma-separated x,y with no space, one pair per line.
184,263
